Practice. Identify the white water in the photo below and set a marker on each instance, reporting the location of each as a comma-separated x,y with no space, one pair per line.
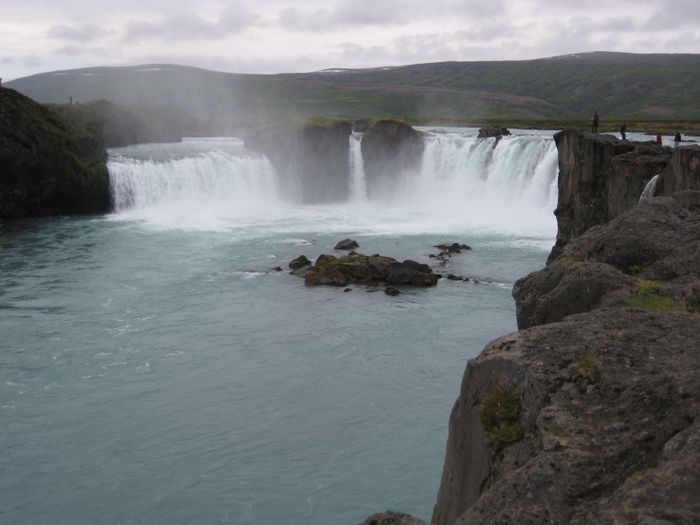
464,184
649,190
358,185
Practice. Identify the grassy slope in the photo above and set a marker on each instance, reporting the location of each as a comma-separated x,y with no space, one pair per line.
619,86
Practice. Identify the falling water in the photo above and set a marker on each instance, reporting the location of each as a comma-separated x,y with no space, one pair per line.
649,190
358,185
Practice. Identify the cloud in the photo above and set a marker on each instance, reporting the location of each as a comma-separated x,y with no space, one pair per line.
675,14
386,13
186,25
86,33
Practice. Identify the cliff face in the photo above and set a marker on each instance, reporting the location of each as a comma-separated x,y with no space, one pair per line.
389,147
311,158
591,412
604,422
600,177
47,166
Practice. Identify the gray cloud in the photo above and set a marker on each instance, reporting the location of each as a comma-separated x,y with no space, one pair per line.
360,13
86,33
184,25
675,14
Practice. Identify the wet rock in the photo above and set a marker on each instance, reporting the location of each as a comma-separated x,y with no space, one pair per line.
390,290
452,248
299,262
347,290
389,149
392,518
493,132
346,244
370,270
277,269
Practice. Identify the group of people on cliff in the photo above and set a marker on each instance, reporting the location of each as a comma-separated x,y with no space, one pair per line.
623,131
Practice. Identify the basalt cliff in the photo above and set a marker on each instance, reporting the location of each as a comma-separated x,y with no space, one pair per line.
590,413
48,166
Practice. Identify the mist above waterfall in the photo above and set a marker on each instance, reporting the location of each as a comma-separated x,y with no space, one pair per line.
462,183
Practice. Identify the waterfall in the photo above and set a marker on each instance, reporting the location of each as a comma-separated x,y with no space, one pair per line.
358,185
508,185
200,188
650,189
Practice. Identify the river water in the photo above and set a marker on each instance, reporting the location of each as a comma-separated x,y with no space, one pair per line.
155,369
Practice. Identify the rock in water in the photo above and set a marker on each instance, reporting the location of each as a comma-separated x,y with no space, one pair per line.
392,518
346,244
47,166
389,148
493,132
390,290
361,269
299,262
311,157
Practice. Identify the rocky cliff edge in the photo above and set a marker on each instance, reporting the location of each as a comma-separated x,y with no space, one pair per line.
47,166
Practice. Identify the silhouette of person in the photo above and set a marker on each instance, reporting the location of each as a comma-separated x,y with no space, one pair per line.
623,131
677,139
658,139
596,120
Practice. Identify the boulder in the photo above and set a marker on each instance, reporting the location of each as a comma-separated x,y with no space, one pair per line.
452,248
299,262
346,244
390,290
47,166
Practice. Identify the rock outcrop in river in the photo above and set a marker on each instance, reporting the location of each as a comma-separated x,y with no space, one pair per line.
311,157
591,412
389,147
47,166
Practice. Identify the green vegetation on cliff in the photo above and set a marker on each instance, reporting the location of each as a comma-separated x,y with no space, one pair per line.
48,166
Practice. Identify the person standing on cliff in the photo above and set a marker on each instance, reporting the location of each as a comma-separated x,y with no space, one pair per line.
677,139
596,119
623,131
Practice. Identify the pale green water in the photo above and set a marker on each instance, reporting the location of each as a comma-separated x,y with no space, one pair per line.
151,373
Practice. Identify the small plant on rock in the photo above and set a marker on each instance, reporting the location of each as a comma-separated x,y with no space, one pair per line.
648,297
586,366
500,415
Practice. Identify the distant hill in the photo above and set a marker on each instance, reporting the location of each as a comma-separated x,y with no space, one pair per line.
618,85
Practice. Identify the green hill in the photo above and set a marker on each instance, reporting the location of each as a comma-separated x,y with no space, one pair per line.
618,85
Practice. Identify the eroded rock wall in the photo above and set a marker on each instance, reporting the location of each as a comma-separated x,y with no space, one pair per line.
47,166
599,178
607,423
311,158
389,149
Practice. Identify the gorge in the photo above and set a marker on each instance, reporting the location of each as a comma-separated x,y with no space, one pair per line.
160,370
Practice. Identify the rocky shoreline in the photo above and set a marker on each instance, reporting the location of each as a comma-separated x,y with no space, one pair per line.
590,413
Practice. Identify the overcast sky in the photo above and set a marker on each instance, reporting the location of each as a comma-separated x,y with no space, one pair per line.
271,36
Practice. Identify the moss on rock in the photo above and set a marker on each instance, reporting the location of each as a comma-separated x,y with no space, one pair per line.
500,415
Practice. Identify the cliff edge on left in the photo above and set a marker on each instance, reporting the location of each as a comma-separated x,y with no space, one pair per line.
47,166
